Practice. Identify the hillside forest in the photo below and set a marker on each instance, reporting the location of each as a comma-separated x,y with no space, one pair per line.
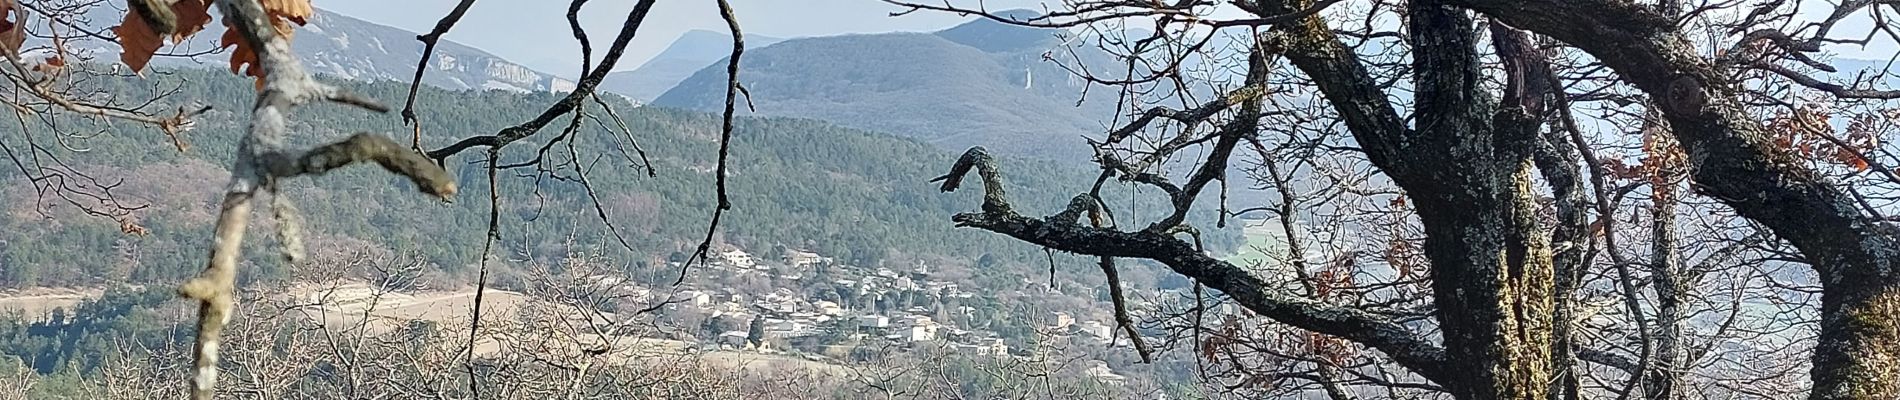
1289,199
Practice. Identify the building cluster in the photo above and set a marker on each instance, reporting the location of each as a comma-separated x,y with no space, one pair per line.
1063,324
788,314
818,301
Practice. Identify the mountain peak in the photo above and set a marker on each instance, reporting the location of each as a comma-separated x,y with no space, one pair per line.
958,88
996,36
693,50
709,45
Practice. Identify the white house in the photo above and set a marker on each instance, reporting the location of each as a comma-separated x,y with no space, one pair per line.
920,333
736,339
694,297
827,307
738,258
801,258
1060,320
1095,329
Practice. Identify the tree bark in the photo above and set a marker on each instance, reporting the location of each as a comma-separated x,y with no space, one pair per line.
1467,167
1665,271
1735,161
1531,86
1490,262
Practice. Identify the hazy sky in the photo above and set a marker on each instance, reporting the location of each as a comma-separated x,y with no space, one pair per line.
534,32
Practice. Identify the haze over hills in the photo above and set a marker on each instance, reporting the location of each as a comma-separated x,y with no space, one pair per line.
980,83
342,46
689,53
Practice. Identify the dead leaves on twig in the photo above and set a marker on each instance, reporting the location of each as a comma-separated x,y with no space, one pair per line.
147,28
130,227
139,39
1808,132
12,27
179,123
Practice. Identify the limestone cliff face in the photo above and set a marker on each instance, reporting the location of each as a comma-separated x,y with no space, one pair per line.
355,49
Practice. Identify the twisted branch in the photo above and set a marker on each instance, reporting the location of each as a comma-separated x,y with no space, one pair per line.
262,162
1056,232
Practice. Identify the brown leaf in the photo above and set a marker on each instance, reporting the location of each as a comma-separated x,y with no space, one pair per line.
298,11
1851,159
243,59
193,16
282,13
12,27
138,41
127,226
51,65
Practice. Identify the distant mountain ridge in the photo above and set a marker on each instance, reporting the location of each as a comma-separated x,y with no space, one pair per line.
689,53
980,83
350,48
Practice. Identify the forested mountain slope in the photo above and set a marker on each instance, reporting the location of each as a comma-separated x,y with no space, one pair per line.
692,51
860,197
981,83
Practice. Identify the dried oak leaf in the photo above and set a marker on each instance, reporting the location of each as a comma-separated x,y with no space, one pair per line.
282,14
298,11
129,227
138,40
243,59
1851,159
51,65
193,16
12,27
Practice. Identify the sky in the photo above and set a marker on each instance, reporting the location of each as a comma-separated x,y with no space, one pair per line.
534,32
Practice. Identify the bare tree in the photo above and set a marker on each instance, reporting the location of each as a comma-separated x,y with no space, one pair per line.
262,50
1464,128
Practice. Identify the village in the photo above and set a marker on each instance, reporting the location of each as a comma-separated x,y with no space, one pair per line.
786,321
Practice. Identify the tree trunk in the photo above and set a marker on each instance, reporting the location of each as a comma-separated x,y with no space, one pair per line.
1665,270
1467,167
1856,255
1531,86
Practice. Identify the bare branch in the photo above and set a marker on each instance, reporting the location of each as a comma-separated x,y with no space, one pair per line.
261,163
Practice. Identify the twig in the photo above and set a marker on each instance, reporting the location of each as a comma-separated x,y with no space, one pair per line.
422,65
261,163
725,138
481,277
1121,309
568,103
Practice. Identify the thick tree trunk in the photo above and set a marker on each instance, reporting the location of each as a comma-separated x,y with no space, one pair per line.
1467,167
1531,88
1859,351
1490,262
1857,256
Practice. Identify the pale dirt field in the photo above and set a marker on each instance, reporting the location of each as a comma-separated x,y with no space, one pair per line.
36,303
343,308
